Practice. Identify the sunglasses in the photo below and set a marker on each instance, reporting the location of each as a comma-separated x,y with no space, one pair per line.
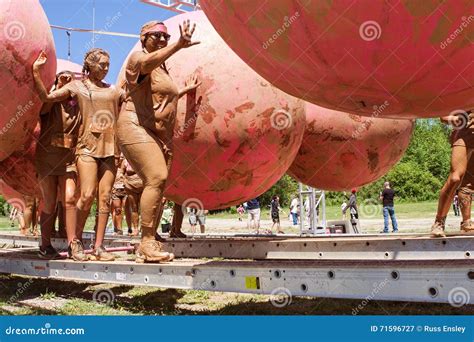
158,35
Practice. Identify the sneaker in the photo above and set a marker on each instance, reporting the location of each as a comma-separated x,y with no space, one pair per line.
383,232
151,251
48,253
101,254
395,231
75,251
437,229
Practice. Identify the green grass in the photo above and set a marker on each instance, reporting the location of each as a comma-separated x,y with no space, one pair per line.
76,298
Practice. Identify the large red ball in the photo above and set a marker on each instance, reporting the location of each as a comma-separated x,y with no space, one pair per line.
246,132
353,55
24,32
19,170
341,151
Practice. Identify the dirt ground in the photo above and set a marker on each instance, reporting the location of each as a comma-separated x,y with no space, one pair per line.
370,226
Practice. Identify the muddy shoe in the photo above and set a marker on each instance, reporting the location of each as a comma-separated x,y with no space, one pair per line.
437,229
177,234
467,227
101,254
151,251
49,253
75,251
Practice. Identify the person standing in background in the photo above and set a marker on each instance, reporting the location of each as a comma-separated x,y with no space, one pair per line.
240,211
294,210
386,196
253,210
353,211
275,213
456,204
166,218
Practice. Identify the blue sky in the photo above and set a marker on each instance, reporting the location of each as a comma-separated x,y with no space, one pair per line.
125,16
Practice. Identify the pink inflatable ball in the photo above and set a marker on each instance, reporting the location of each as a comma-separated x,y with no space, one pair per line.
246,132
19,170
341,151
65,65
24,32
353,55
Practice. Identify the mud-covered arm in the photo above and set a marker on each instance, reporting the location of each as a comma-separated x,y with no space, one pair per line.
148,62
54,96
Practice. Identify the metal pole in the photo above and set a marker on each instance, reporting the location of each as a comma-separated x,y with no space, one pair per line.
323,209
93,23
314,216
300,190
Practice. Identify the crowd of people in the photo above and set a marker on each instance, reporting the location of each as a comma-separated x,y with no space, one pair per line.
112,145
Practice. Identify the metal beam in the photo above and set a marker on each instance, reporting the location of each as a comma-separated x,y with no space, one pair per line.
428,281
335,247
178,6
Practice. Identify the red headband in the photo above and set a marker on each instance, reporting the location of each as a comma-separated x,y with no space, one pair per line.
155,28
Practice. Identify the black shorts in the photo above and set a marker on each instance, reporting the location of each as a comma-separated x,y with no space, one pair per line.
275,218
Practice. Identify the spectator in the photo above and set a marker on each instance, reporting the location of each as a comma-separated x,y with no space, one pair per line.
294,207
456,204
275,213
17,214
197,216
353,211
240,211
253,210
386,196
166,218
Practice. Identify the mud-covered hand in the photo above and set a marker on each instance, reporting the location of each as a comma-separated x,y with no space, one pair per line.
191,83
40,61
186,31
